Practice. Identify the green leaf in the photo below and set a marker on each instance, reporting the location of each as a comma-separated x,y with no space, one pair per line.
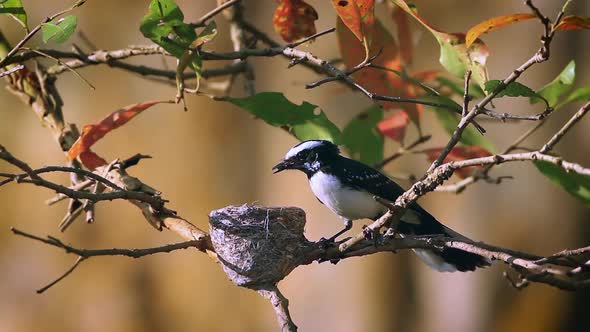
560,85
302,120
15,9
59,30
513,89
455,56
193,59
361,137
449,120
581,94
576,184
206,35
164,25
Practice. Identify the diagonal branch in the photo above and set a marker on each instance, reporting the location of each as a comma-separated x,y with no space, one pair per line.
540,56
434,178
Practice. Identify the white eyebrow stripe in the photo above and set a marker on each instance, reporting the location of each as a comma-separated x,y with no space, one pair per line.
302,146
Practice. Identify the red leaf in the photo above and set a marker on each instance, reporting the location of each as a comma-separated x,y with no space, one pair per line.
94,132
357,15
91,160
404,34
492,24
574,23
395,126
294,19
457,154
375,80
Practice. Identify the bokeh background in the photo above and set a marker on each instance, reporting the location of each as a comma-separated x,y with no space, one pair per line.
216,155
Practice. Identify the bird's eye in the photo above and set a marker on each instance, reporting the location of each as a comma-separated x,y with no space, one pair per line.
301,154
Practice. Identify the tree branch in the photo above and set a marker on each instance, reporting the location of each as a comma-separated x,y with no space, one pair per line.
280,304
541,55
84,254
203,20
434,178
22,42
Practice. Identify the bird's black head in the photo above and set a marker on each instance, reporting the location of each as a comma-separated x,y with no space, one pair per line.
308,156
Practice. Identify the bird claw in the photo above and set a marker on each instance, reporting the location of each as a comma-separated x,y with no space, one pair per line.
373,234
390,233
333,261
326,243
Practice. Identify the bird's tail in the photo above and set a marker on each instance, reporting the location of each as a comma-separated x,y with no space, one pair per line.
449,259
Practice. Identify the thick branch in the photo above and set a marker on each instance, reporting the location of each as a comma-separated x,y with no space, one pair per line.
280,304
534,268
434,178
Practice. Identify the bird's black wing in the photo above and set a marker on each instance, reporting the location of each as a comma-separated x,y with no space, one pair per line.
359,176
362,177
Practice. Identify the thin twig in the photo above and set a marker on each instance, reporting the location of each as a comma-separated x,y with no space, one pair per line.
65,65
559,135
67,273
88,253
508,116
402,150
312,37
483,174
203,20
11,70
434,178
280,305
84,254
36,29
466,96
541,55
155,201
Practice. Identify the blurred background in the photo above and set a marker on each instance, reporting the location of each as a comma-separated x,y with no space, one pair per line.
216,155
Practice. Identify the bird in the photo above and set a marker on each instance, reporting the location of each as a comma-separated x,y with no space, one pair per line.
347,187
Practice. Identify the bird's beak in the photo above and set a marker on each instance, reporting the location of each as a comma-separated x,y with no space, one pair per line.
283,165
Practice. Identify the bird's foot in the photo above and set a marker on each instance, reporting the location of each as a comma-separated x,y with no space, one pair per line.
390,233
327,243
333,261
373,234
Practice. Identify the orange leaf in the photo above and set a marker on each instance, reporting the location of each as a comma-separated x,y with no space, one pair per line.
455,55
457,154
573,23
410,9
375,80
395,126
357,15
493,24
404,34
94,132
91,160
294,19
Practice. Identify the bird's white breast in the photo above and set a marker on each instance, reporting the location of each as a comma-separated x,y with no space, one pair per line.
345,202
